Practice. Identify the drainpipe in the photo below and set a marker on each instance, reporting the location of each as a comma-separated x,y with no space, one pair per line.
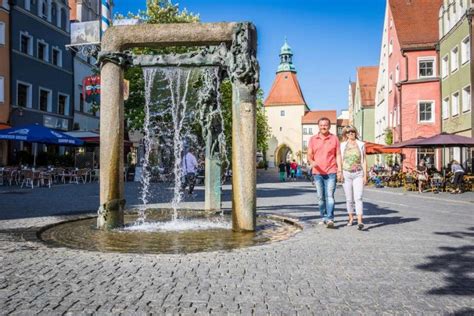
440,162
400,97
9,148
470,14
399,86
11,3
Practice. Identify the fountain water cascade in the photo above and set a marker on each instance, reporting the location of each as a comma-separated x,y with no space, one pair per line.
230,50
169,120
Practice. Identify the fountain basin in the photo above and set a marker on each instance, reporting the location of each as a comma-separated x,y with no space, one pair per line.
194,231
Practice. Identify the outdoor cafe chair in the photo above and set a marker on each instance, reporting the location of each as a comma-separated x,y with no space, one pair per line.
46,178
78,176
29,178
13,176
468,182
409,183
448,184
437,183
68,175
94,175
3,176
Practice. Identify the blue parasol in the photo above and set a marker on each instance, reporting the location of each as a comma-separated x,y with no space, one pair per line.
39,134
36,133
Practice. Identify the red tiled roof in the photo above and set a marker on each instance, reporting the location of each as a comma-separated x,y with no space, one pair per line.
367,77
312,117
285,91
342,122
416,22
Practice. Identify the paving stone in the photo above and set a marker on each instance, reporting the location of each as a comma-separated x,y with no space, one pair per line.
407,261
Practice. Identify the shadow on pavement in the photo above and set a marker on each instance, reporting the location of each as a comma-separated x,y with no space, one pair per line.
456,263
464,312
373,218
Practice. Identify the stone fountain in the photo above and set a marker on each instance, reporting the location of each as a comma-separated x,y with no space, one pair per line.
229,46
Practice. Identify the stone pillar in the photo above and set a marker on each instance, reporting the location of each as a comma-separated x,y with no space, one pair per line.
212,179
244,151
112,201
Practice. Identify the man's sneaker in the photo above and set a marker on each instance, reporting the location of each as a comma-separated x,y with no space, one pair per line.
330,224
360,226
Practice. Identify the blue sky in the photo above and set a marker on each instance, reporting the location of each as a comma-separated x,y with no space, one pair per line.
329,38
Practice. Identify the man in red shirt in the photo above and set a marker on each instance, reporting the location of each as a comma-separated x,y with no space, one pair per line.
324,156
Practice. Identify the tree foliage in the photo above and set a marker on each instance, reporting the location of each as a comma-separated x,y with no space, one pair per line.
388,136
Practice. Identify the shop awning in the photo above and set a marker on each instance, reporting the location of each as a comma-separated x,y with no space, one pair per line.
92,138
374,149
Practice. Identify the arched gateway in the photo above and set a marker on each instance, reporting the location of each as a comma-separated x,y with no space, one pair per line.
282,153
233,49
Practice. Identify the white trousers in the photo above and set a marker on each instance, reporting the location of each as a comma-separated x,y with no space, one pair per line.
354,188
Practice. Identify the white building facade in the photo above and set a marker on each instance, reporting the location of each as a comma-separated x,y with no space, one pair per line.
381,92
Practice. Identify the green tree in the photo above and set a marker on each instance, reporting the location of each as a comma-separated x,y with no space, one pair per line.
263,129
388,136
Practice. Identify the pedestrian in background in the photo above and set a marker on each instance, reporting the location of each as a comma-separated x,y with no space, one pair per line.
282,171
458,172
293,168
189,166
324,156
288,169
422,175
354,166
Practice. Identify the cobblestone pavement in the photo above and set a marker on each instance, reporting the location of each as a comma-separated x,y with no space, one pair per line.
415,257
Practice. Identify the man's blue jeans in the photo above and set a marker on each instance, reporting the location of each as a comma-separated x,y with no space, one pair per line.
325,186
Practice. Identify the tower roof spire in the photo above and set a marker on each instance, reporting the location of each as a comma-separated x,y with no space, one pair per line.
286,58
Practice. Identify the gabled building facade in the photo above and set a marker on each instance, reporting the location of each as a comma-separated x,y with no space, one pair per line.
284,108
4,74
381,91
86,117
455,42
413,84
364,104
42,68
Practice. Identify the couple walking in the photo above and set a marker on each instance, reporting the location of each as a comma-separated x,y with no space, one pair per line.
346,161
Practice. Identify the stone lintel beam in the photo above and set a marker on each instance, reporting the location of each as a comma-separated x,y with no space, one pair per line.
120,38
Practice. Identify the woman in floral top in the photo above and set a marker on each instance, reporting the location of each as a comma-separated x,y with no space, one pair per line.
354,166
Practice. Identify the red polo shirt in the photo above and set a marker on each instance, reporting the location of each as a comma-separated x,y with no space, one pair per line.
323,150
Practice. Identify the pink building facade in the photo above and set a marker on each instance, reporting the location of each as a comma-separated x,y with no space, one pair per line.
414,108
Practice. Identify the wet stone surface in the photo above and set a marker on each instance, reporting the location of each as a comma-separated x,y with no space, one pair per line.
415,257
193,231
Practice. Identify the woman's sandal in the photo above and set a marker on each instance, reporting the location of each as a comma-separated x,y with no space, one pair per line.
350,223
